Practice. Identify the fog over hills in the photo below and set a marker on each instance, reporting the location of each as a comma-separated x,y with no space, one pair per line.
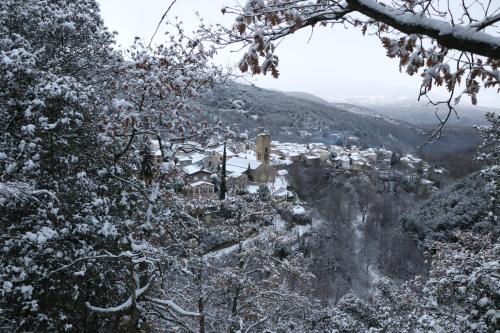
421,113
411,111
302,117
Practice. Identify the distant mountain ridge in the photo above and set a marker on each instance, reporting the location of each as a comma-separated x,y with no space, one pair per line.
413,112
343,106
301,117
422,114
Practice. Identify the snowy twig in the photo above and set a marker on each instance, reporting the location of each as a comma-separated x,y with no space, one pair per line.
176,308
107,256
161,20
125,305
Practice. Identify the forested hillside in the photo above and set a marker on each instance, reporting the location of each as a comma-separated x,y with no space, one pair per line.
297,119
360,238
460,206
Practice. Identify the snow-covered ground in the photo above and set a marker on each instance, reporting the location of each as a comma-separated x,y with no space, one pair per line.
280,226
279,187
298,210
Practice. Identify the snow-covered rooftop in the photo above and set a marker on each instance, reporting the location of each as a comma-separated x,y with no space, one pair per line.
342,158
243,163
192,169
220,150
249,155
197,157
201,182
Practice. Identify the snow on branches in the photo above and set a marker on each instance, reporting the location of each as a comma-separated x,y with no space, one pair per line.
455,45
490,154
78,221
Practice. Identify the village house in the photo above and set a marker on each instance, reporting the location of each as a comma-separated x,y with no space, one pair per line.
238,179
215,156
283,194
342,162
280,187
358,163
279,163
201,188
410,161
295,156
189,146
370,155
323,154
293,152
278,152
247,154
184,159
337,150
383,154
312,160
196,173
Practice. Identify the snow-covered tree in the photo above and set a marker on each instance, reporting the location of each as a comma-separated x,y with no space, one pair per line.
490,154
52,58
461,295
235,272
83,236
262,282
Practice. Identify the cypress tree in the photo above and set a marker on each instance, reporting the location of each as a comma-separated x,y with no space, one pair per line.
250,178
222,192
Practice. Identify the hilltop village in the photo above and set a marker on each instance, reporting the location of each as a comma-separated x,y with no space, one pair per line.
263,163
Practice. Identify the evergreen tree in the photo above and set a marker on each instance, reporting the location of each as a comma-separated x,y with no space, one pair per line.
249,173
395,160
263,192
222,191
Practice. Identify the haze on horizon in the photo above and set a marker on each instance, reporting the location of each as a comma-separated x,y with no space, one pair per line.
335,64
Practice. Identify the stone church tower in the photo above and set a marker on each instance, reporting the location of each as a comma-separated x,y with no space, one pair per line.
263,146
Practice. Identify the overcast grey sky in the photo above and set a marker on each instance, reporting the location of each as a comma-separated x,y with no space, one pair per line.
337,64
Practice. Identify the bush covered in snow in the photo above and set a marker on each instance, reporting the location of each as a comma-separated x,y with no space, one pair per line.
461,206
